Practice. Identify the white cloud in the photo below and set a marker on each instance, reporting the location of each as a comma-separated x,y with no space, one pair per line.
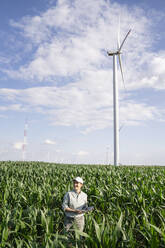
49,142
133,113
18,145
82,106
82,153
70,42
12,107
58,150
4,60
3,116
72,38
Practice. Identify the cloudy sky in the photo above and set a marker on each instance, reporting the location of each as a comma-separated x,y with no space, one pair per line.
55,73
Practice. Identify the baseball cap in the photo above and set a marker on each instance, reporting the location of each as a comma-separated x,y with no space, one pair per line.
78,179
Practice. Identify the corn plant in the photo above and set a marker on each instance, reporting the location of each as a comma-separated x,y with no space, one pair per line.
129,205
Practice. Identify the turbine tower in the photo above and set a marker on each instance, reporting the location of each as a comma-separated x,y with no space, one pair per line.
115,95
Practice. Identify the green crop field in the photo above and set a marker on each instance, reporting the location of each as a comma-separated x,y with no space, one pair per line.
129,205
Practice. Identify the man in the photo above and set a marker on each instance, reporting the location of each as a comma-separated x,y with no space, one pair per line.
73,204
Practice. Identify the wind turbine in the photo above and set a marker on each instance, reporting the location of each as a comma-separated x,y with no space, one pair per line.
115,95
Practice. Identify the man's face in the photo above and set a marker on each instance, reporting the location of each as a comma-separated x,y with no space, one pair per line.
77,186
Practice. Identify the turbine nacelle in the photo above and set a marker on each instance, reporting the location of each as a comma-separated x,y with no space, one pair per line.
111,53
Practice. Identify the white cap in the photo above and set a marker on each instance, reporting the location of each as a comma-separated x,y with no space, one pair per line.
78,179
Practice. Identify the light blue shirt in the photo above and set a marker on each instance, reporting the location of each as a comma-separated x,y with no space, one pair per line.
74,200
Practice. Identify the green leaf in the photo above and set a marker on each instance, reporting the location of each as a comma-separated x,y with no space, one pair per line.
97,230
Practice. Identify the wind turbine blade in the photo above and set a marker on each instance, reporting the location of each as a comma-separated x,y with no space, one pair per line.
124,40
118,35
120,63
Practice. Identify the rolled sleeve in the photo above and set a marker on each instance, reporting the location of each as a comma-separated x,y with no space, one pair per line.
65,202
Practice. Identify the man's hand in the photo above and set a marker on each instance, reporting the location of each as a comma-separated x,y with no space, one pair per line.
78,211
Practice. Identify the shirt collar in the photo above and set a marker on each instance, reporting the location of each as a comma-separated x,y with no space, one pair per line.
76,192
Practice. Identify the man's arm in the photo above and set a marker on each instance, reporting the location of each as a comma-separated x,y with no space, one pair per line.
73,210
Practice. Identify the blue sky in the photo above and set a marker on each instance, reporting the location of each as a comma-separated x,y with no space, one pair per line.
54,71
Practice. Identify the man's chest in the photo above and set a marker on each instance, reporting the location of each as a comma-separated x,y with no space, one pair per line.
76,201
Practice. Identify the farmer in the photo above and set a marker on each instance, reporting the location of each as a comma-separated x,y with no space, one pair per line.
73,204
